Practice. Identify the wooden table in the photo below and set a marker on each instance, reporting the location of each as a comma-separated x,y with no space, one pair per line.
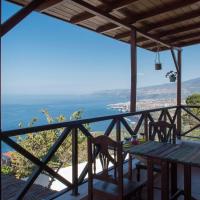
165,154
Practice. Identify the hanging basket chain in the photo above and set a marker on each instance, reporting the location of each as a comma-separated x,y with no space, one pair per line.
157,58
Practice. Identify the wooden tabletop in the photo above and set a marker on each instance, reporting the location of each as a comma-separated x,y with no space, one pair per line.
180,153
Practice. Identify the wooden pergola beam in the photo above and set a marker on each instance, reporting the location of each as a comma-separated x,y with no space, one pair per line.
48,4
133,18
162,24
21,14
172,32
105,28
175,39
108,7
163,9
192,42
174,20
89,8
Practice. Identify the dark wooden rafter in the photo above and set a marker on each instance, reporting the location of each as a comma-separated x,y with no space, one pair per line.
162,9
133,18
177,30
106,7
191,42
25,11
105,28
88,7
184,43
162,33
48,4
176,39
183,17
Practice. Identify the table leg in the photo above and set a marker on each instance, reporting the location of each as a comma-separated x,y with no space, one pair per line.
130,167
174,187
165,180
150,179
187,182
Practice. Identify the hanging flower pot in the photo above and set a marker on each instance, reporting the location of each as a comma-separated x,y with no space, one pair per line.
158,64
171,75
172,78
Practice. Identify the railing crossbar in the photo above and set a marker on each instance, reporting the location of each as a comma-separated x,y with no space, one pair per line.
72,124
67,127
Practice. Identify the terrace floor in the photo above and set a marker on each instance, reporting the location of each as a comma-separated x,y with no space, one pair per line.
11,186
157,194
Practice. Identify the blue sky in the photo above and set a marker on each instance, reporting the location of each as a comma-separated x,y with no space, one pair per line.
43,55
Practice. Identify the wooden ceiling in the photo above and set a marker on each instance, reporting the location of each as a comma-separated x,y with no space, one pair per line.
172,22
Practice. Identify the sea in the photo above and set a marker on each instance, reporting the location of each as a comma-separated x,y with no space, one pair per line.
21,109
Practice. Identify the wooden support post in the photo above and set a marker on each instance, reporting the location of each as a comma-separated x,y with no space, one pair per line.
118,130
75,161
179,93
133,71
25,11
146,128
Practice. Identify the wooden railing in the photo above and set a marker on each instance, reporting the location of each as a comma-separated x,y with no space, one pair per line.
169,114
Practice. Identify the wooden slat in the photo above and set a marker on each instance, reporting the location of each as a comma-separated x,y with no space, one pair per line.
114,20
176,39
174,20
174,31
139,124
108,7
190,130
107,27
133,18
162,9
48,4
190,113
192,42
168,33
128,128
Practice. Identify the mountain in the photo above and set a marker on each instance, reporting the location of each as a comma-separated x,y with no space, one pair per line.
164,91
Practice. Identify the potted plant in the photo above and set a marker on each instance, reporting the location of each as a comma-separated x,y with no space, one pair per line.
171,75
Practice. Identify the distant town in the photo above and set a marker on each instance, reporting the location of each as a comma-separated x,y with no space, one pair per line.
144,104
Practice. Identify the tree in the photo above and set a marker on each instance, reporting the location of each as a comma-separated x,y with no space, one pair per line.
192,100
39,144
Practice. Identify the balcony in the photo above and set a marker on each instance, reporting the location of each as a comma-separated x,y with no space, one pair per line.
152,25
119,126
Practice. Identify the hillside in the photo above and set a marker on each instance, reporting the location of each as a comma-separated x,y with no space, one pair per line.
164,91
